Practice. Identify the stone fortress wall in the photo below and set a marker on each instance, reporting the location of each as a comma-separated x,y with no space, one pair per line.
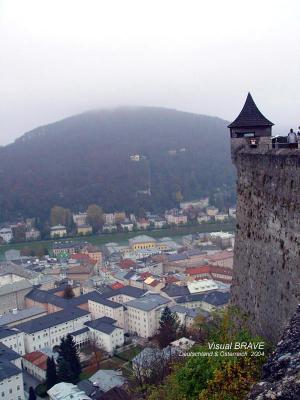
266,268
266,277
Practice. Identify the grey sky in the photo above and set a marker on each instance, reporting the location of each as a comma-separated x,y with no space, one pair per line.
62,57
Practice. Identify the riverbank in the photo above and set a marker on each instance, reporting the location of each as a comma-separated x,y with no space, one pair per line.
124,236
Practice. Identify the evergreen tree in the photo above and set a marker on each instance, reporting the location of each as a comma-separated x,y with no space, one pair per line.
32,395
168,327
69,353
51,374
73,355
62,348
65,373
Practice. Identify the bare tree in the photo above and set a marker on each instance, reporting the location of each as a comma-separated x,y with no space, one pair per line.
152,365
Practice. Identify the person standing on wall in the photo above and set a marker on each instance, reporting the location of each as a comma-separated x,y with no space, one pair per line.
292,139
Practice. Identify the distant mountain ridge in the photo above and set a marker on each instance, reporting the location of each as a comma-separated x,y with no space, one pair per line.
85,159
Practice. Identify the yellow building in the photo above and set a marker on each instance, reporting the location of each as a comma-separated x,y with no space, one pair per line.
119,216
84,229
58,231
142,242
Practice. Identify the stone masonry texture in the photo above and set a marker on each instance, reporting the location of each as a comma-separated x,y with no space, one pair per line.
266,275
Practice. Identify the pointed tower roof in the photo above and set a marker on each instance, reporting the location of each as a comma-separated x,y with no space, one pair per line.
250,116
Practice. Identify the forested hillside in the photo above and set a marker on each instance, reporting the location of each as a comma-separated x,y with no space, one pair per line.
85,159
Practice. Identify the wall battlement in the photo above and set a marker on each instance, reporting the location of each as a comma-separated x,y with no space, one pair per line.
266,277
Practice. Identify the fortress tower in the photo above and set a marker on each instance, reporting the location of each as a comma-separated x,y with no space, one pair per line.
266,277
250,128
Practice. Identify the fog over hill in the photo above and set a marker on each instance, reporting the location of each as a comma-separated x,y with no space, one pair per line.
85,159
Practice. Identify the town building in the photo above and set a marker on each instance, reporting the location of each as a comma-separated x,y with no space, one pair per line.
203,218
143,314
176,217
66,391
142,224
58,231
65,249
80,218
18,316
221,259
13,289
187,315
109,218
108,379
142,242
106,334
93,252
52,301
11,376
35,363
84,230
124,294
49,329
197,204
232,212
222,239
6,234
166,244
203,285
209,302
13,339
109,228
102,307
214,272
119,216
80,273
81,337
212,211
32,234
158,223
221,217
127,226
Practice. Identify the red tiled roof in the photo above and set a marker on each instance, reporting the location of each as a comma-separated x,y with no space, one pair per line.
37,358
205,269
222,255
214,269
171,279
83,257
126,263
117,285
208,269
154,283
145,275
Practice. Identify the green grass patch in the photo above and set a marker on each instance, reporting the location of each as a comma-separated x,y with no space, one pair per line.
112,363
129,354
